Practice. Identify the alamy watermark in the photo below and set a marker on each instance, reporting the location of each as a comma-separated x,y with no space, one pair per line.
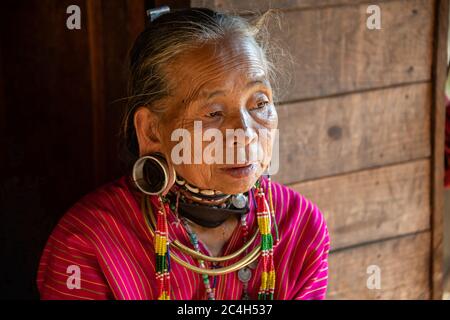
374,279
74,279
373,22
73,21
235,146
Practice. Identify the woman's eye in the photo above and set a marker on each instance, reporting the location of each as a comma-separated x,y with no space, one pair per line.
214,114
259,101
261,104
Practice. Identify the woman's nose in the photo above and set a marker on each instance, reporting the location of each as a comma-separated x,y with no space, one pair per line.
244,132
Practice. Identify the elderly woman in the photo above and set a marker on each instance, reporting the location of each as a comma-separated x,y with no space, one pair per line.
175,227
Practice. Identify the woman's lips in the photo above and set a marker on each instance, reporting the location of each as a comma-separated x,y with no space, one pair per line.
240,171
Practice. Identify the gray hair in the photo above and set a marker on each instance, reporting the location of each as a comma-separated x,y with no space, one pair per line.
168,36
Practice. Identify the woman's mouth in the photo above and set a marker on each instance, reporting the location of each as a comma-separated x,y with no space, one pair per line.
240,171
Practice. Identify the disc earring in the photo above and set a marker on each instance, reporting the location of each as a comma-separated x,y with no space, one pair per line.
152,175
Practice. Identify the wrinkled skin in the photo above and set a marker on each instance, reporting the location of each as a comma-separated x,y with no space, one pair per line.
226,87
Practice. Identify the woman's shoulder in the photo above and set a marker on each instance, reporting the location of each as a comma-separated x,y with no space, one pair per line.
109,203
304,240
296,214
83,239
104,196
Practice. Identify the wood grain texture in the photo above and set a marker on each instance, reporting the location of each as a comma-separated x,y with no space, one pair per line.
438,142
173,4
373,204
97,69
334,52
404,269
352,132
59,127
262,5
47,148
121,22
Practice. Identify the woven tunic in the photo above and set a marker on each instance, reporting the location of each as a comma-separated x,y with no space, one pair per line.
105,242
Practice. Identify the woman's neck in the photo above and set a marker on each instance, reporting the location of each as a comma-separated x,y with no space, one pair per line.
215,239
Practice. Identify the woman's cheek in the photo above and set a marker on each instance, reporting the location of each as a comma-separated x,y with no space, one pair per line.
273,118
267,119
267,144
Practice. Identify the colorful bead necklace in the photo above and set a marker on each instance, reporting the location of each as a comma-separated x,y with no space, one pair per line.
162,252
194,241
265,214
206,282
267,287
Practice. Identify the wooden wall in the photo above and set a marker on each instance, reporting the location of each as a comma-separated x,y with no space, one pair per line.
361,135
361,128
59,118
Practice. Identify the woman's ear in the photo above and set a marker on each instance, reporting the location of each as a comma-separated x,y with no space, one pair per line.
145,123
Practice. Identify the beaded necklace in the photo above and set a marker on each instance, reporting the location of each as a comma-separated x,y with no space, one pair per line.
162,252
243,276
193,237
265,214
267,287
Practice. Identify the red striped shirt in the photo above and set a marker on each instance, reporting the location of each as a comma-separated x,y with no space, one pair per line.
106,237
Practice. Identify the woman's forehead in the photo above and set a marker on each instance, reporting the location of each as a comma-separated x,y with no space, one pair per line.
229,63
221,53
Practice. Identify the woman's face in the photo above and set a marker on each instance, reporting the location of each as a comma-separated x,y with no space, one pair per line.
225,88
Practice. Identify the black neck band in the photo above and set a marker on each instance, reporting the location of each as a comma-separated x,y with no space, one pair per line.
207,216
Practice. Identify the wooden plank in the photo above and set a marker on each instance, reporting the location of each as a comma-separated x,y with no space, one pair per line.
403,263
374,204
438,141
334,52
2,106
263,5
118,24
47,147
173,4
358,131
97,69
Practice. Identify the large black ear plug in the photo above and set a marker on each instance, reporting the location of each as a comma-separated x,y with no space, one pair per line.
152,174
